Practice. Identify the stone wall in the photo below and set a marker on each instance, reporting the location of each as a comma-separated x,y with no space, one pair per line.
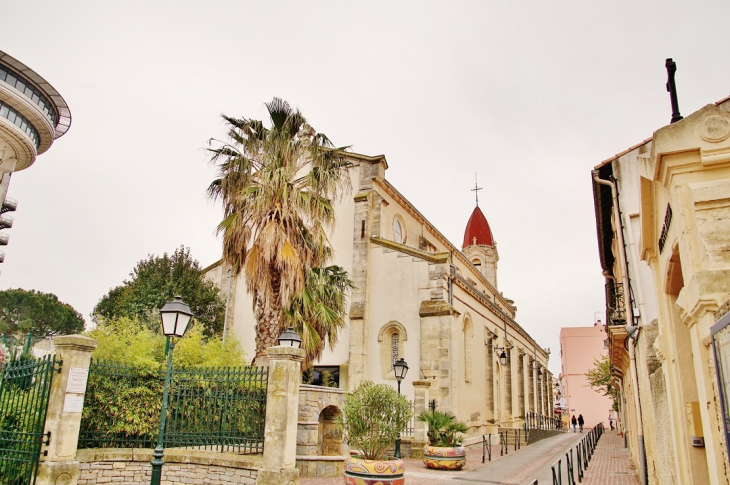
132,467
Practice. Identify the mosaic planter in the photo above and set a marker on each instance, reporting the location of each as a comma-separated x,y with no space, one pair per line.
444,458
371,472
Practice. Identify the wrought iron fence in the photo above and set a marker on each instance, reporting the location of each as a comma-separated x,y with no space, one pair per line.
411,426
24,390
221,409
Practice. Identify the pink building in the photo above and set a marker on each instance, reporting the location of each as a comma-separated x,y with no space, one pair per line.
579,347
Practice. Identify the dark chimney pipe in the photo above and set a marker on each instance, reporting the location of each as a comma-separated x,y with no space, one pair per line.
672,88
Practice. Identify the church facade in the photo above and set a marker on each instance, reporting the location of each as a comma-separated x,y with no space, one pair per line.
420,298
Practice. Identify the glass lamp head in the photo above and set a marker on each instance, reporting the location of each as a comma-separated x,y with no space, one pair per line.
175,316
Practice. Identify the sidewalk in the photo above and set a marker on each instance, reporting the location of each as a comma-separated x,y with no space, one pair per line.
611,465
418,474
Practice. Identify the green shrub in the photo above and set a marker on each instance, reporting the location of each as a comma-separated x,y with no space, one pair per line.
372,416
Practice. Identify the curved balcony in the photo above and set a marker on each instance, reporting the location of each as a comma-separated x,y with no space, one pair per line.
9,205
6,222
4,238
2,256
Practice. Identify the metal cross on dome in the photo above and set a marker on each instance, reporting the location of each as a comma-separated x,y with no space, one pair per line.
476,188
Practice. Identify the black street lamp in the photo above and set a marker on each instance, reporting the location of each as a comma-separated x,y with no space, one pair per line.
400,368
175,316
503,358
289,338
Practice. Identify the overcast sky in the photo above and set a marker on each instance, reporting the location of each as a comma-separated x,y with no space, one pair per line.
531,95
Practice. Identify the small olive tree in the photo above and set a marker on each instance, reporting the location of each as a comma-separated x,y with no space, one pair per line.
599,378
372,417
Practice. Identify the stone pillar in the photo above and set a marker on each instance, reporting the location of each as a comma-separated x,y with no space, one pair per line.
508,415
540,391
531,385
520,388
437,354
420,401
63,419
282,409
489,378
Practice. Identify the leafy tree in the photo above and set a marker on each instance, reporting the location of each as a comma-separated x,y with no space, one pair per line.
42,314
277,186
157,280
599,378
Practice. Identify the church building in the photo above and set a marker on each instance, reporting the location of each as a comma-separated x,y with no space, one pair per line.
420,298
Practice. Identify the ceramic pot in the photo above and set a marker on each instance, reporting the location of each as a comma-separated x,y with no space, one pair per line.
359,471
444,457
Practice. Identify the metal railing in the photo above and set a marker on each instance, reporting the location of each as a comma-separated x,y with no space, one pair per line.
223,409
24,391
540,421
583,453
411,426
486,447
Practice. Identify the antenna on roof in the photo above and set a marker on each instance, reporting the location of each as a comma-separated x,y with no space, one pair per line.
672,88
476,188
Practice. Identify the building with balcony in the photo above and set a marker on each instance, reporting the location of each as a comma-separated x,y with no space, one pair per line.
32,115
663,223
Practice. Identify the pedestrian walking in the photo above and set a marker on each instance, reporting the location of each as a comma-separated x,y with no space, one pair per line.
574,422
580,422
610,421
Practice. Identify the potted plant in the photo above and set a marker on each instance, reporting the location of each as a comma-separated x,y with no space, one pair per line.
445,433
372,416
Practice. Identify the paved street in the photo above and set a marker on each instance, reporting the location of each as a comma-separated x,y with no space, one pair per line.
610,465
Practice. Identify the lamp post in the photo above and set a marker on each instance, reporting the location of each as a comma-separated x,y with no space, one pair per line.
175,316
400,368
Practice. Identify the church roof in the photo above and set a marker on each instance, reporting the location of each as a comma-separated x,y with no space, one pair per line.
478,228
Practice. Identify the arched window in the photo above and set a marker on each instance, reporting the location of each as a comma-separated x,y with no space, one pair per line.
394,348
397,231
391,339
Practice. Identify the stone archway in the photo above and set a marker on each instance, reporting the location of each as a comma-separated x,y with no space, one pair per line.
329,436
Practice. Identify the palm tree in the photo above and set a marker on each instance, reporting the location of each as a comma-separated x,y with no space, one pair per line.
318,313
278,186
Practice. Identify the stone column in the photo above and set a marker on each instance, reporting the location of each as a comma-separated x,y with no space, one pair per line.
520,387
531,385
437,354
489,378
420,401
508,416
540,391
63,419
282,408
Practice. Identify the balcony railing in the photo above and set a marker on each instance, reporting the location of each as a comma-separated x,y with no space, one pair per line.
2,256
615,304
9,205
4,238
6,222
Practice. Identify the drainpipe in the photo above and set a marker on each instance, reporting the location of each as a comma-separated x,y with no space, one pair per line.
630,315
